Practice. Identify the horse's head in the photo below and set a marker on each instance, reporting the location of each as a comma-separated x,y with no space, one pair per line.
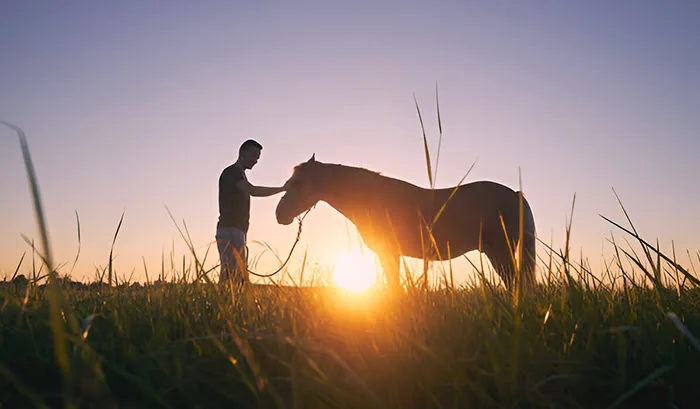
302,191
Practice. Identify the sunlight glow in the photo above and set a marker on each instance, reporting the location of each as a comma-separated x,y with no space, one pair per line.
355,271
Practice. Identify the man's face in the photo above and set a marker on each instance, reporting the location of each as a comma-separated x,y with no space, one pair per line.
249,157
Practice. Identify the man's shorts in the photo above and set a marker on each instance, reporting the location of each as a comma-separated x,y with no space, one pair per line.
229,239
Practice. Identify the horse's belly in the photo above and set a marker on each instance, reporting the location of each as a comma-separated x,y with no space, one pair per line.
448,243
455,233
455,238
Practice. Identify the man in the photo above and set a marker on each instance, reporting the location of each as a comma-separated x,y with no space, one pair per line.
234,212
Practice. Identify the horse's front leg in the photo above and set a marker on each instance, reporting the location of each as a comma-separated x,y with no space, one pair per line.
391,268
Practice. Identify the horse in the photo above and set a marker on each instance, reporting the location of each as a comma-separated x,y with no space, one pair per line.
396,218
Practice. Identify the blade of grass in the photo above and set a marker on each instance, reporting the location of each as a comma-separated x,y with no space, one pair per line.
425,145
679,324
18,266
111,250
439,120
56,302
646,245
77,220
452,193
629,220
640,385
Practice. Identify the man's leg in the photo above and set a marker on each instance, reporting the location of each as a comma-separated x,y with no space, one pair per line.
231,245
223,244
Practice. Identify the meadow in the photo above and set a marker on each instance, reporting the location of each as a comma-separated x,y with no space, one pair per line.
618,338
572,343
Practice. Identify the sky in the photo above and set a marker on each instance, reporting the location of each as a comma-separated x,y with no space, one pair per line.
135,107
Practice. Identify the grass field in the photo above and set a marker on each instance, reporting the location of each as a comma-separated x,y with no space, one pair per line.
619,338
570,344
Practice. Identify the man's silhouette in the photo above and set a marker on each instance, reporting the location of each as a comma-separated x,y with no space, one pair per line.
234,211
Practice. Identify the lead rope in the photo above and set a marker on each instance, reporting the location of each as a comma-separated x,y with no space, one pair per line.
301,219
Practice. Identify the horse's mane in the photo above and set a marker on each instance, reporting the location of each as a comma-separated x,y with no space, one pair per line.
323,172
336,168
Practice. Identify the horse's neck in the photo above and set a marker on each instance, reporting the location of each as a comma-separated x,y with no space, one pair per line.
350,191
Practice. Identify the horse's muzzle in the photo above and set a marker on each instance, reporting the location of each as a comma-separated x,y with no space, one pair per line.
281,217
284,220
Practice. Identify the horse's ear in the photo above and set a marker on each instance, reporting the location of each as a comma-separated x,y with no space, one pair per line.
313,158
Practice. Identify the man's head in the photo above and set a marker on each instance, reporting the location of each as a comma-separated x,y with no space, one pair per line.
249,153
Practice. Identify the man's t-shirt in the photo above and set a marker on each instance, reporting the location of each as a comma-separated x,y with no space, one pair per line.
234,205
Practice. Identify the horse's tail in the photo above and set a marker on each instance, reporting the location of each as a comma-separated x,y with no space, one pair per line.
528,244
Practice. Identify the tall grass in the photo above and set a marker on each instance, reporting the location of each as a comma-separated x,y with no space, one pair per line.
578,339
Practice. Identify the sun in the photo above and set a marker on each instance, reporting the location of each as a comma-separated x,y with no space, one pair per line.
354,271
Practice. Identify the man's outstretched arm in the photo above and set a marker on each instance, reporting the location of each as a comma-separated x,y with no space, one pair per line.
259,191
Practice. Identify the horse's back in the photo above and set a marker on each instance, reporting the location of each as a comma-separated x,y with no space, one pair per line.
487,185
474,204
483,191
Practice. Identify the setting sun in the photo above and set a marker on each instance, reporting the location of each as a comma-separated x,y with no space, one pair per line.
354,271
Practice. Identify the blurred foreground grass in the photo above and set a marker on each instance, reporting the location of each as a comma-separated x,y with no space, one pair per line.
568,344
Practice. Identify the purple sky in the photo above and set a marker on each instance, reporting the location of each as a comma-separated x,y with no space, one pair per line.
134,106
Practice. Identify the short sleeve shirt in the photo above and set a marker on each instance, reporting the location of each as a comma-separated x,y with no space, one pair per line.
234,204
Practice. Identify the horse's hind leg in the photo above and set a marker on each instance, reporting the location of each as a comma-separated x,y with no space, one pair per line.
502,261
392,271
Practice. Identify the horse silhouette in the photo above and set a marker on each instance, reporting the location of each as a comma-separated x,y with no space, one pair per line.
396,218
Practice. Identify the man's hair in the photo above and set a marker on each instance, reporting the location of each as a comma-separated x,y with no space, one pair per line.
249,144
